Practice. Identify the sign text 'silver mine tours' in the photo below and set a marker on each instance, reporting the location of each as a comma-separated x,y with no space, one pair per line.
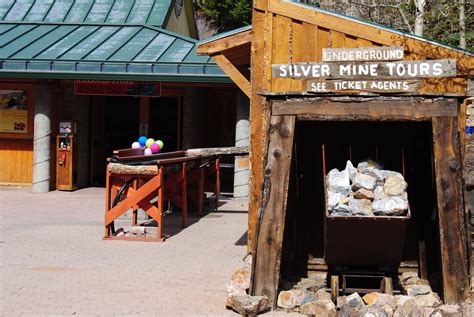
371,69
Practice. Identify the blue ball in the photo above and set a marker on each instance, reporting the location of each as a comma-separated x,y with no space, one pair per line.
142,140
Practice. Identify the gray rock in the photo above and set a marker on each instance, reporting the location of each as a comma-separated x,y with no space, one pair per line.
379,193
361,207
364,181
234,290
247,305
428,300
338,182
380,299
449,311
354,300
390,206
375,311
395,185
467,309
408,308
291,299
406,276
351,170
416,289
311,284
375,173
342,209
308,298
320,308
368,164
333,199
363,193
341,301
402,299
322,294
348,311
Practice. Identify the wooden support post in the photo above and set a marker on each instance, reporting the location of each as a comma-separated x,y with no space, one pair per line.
267,255
107,199
135,210
200,190
161,192
450,210
218,181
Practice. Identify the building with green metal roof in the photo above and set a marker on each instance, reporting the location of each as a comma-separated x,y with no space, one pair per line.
48,48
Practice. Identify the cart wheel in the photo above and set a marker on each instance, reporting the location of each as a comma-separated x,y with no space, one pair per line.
334,288
387,285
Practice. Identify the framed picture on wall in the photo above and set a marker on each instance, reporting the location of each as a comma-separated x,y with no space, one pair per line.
13,111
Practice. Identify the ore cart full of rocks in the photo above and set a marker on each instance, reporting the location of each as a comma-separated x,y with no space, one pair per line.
366,217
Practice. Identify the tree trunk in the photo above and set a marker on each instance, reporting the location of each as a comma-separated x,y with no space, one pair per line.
420,16
462,24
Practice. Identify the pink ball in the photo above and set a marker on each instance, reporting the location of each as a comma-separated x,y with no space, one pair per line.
155,148
148,152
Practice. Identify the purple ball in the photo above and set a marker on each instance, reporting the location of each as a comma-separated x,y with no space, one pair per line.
155,148
148,152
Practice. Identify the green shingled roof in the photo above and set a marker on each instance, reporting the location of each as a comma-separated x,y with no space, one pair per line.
97,39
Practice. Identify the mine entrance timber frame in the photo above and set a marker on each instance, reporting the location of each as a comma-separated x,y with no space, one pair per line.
286,111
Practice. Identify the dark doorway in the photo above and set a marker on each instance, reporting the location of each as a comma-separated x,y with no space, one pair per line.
164,122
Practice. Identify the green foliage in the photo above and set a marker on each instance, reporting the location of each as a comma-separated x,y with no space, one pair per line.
228,14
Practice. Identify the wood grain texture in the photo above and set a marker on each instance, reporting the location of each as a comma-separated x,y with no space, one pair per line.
225,43
237,77
282,30
266,264
367,108
450,210
16,162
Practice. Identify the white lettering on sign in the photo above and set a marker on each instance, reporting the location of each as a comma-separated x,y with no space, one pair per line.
363,85
392,70
363,54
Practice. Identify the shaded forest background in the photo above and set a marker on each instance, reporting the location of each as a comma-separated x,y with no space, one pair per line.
446,21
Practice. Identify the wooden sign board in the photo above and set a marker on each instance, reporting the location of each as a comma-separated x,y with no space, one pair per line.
393,86
117,88
367,70
363,54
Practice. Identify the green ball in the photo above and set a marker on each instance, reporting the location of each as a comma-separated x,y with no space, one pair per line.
160,143
149,142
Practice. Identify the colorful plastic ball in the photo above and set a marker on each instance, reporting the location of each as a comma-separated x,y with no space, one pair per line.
160,143
155,148
148,152
149,142
142,140
136,145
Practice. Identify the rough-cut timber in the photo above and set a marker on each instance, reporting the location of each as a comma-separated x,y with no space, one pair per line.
451,210
266,264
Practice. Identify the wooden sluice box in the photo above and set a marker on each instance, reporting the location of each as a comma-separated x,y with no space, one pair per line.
134,182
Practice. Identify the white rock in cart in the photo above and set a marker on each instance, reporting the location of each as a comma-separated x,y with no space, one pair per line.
342,209
364,181
339,181
361,207
334,199
379,193
369,164
390,206
351,170
395,185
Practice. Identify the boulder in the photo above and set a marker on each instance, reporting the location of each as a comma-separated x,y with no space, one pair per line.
320,308
364,181
428,300
363,193
339,182
233,289
449,311
406,276
348,311
390,206
241,277
395,185
322,294
375,311
291,299
402,299
417,289
408,308
380,299
354,300
361,207
247,305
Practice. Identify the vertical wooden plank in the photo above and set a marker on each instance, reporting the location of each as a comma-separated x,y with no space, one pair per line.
309,42
450,209
266,263
297,54
261,49
323,42
351,42
364,42
281,53
338,39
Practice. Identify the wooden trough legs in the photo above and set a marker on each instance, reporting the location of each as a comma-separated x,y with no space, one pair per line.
131,192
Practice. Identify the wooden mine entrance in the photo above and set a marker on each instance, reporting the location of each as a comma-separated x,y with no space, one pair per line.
318,147
309,136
